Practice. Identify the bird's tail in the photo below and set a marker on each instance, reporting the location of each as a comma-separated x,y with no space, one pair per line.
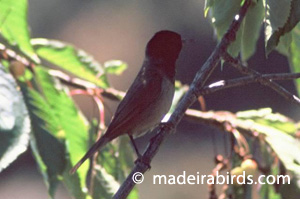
97,146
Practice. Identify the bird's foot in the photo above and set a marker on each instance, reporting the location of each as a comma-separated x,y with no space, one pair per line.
142,161
167,126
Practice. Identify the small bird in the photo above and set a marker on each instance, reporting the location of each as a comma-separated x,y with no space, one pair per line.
149,97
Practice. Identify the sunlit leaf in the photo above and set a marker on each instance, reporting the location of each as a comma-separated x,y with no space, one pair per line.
266,117
116,67
49,151
115,163
281,17
14,27
267,191
284,145
71,59
73,182
71,122
105,184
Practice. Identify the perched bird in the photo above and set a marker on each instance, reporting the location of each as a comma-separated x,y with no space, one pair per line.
149,97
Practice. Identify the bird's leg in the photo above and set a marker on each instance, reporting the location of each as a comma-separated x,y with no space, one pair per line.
140,157
135,147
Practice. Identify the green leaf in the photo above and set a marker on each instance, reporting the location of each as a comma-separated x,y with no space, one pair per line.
294,58
73,183
284,145
251,29
49,152
284,44
116,67
71,59
108,159
14,120
278,12
70,119
115,163
267,191
125,157
133,194
222,14
265,117
275,127
14,27
281,17
116,158
105,184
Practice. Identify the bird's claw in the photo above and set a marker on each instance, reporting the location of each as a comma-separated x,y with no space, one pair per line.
166,126
141,160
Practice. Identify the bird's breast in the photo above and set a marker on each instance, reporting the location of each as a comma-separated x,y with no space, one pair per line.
157,109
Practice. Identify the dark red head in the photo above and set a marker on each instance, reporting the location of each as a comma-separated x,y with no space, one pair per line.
165,45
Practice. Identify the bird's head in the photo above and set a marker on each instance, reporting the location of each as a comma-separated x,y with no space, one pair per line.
165,45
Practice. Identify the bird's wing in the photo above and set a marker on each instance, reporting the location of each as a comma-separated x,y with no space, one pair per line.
139,97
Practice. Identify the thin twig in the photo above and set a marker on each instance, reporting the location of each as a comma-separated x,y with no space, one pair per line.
188,99
264,81
255,77
243,81
110,93
117,95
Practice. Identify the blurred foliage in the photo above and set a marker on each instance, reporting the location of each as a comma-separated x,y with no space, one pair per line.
259,135
34,100
60,132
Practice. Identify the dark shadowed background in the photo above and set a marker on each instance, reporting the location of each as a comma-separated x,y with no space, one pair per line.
120,30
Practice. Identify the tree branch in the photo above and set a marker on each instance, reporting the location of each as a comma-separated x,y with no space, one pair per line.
236,63
242,81
188,99
117,95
